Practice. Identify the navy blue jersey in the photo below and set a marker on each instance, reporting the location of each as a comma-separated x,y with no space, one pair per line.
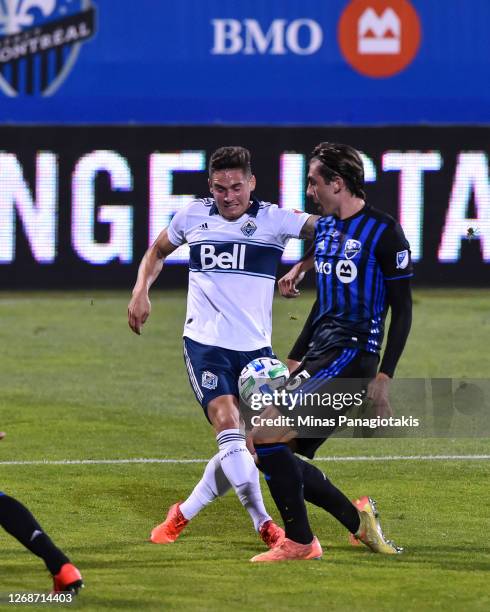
354,259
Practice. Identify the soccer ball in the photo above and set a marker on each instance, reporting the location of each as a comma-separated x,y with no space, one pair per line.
262,375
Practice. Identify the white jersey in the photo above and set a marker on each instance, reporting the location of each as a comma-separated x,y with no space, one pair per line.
232,270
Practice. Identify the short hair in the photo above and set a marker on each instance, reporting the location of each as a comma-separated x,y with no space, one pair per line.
226,158
341,160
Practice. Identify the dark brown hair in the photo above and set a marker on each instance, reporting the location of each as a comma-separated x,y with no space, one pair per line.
341,160
227,158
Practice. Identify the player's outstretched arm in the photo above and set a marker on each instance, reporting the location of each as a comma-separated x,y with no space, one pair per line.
400,301
308,229
139,307
288,283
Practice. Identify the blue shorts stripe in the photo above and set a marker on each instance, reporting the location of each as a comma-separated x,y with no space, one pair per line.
331,371
338,367
325,372
270,449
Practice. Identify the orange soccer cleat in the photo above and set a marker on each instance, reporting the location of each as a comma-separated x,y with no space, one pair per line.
67,579
290,551
168,531
271,534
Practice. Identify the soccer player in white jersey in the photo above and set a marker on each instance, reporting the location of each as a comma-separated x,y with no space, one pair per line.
236,243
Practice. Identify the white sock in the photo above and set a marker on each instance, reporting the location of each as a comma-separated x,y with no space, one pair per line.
213,484
239,468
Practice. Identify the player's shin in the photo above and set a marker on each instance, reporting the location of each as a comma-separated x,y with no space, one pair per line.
213,484
240,470
318,490
16,519
285,481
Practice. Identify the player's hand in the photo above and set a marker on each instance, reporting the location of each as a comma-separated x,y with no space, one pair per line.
139,309
287,284
377,392
2,435
292,365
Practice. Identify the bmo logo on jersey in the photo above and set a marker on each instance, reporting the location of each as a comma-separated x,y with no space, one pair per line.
226,260
323,267
346,271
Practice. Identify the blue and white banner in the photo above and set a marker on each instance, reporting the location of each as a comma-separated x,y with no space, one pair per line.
300,62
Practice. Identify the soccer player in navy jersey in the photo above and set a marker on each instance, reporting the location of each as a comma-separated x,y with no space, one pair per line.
236,243
16,519
363,267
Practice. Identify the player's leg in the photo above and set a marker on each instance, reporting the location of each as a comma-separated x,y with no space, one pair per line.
16,519
360,517
237,463
285,474
321,492
213,484
213,377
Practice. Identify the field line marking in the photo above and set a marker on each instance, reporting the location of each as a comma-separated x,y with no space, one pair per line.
332,459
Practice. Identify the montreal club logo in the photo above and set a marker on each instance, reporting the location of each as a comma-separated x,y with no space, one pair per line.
379,38
39,43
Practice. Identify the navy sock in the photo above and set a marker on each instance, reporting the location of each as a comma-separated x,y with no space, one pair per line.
16,519
285,481
320,491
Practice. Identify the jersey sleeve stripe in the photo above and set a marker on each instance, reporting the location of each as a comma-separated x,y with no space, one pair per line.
397,277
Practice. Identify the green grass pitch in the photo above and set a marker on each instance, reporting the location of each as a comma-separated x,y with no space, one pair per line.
76,384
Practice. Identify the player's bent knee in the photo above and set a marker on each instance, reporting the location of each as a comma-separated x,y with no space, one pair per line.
223,413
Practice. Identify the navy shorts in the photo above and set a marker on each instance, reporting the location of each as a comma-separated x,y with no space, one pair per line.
214,371
326,374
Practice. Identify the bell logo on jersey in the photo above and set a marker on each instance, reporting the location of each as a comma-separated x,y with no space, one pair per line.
346,271
225,260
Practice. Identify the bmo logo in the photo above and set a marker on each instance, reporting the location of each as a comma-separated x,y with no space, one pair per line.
224,260
323,267
232,36
346,271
